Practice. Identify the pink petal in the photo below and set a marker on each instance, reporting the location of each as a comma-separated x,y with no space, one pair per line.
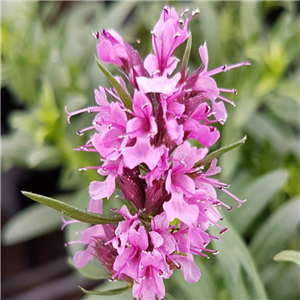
175,131
138,238
96,206
82,257
204,56
190,271
156,239
158,84
150,63
141,152
184,182
178,208
99,190
207,86
220,111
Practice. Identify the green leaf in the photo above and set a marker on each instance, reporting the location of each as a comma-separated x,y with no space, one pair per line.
187,52
211,156
204,289
14,149
259,193
168,297
44,157
107,293
249,18
276,232
23,226
230,133
116,14
107,285
237,266
285,108
288,255
121,92
262,128
93,270
72,211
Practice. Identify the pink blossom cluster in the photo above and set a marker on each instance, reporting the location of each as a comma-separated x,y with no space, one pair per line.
145,149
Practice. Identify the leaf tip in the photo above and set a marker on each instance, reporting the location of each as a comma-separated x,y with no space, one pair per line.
84,290
243,140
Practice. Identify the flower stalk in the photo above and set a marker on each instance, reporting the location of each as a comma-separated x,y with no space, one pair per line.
143,143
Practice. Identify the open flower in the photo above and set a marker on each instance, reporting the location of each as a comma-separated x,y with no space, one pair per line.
143,143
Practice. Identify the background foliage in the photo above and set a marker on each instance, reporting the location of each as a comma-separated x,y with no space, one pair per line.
48,63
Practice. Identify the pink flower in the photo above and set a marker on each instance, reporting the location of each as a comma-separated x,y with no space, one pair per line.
208,87
169,32
111,169
145,148
112,140
150,281
142,127
113,49
178,183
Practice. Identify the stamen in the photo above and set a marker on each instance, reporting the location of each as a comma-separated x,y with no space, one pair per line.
155,72
226,100
233,197
222,121
211,114
199,252
122,136
177,34
166,9
92,168
215,238
81,132
84,148
195,12
145,104
232,91
96,124
77,112
184,12
96,35
226,68
183,162
223,231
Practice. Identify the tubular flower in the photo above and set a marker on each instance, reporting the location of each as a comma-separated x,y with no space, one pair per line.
144,149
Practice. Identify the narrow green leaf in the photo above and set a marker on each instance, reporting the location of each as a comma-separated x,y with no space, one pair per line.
93,269
258,193
204,289
237,265
22,227
107,285
107,293
288,255
187,52
168,297
121,92
208,158
276,233
72,211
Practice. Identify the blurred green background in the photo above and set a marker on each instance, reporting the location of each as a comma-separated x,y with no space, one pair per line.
47,63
